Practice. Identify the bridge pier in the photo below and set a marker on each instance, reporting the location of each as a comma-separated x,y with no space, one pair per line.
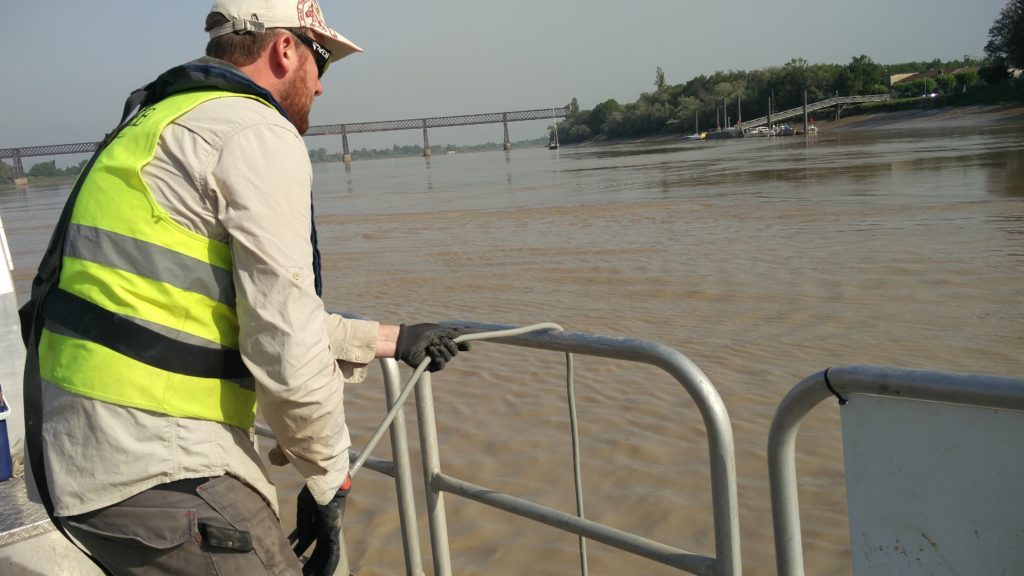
506,145
426,141
346,156
20,178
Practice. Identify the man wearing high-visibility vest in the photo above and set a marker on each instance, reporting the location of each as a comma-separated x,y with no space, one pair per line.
180,291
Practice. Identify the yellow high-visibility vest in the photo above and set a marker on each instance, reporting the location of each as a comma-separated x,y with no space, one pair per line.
143,303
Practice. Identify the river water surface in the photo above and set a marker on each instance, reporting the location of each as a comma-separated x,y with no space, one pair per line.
763,260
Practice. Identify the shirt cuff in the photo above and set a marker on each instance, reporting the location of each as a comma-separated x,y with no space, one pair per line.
323,488
352,340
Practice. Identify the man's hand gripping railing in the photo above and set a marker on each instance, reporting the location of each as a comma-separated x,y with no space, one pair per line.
415,379
322,524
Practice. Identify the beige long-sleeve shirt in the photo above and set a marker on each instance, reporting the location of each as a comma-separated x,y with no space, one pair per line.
237,171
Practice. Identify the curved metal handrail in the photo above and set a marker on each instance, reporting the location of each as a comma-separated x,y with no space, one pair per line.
971,389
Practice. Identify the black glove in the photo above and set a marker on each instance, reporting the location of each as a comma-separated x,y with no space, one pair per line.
320,524
420,341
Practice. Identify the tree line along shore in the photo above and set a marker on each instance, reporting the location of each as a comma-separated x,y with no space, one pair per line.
721,99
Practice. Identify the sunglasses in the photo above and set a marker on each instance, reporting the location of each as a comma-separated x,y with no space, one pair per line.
321,55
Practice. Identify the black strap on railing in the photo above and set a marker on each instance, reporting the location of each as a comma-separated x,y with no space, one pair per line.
828,384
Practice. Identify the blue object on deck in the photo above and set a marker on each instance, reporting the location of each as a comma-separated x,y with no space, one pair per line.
6,468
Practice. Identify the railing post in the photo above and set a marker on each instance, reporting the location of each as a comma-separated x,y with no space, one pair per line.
426,141
403,474
431,458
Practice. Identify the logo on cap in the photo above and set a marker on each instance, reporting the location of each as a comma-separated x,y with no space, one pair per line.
311,17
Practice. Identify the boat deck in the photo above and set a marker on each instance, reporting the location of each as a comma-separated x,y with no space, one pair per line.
20,518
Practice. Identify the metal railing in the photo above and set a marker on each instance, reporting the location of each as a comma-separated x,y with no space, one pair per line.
726,561
962,389
720,446
799,110
399,468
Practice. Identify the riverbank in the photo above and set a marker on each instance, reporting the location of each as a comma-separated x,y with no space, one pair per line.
942,117
873,118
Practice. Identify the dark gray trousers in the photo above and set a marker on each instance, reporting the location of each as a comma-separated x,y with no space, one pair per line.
215,526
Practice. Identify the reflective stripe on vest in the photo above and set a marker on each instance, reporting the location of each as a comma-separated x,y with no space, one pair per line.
128,260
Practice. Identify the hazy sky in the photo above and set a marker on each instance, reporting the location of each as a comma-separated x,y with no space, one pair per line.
67,65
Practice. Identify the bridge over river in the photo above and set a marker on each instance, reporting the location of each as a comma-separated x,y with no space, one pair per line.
16,154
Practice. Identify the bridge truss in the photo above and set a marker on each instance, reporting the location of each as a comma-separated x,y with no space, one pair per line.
16,154
439,122
54,150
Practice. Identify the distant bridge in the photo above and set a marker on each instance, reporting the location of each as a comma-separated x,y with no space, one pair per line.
437,122
16,154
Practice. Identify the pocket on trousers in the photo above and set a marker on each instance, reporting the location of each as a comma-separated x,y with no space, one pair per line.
158,528
245,510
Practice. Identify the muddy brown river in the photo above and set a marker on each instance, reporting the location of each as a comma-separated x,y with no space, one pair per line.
762,260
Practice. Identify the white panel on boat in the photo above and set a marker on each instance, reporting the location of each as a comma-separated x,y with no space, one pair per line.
12,351
29,545
933,488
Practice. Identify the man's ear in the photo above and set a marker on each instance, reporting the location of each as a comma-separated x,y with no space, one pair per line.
283,54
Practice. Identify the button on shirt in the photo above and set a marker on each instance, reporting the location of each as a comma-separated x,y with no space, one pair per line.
235,170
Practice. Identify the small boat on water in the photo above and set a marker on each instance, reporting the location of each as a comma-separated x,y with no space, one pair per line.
723,134
697,134
783,130
553,138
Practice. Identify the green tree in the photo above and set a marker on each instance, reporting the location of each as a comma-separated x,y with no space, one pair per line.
946,83
6,173
685,112
601,114
76,169
1006,36
576,133
994,71
915,88
965,79
659,79
318,155
821,81
790,84
861,76
45,170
